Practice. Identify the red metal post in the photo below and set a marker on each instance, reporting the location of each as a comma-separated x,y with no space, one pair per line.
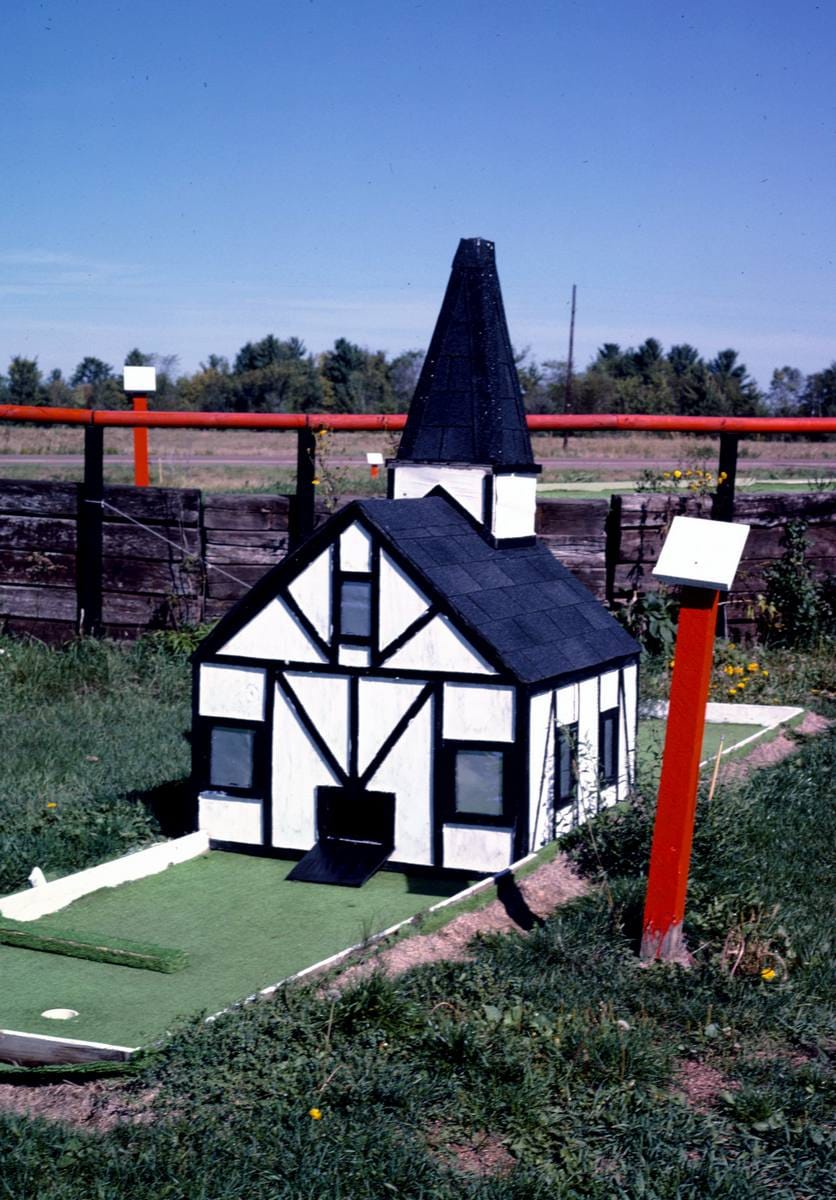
141,477
673,832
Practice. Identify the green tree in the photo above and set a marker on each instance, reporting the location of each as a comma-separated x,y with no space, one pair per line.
732,392
96,384
786,392
404,372
819,399
24,381
57,391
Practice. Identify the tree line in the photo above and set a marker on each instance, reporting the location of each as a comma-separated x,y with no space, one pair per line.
281,375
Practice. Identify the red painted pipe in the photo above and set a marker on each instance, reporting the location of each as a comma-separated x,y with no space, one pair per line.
370,422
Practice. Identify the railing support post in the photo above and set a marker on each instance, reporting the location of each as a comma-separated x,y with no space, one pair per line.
89,535
141,475
302,509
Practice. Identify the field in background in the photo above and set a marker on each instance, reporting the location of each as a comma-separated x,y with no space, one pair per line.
595,459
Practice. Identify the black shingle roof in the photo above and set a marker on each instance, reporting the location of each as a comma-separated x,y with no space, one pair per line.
539,619
468,405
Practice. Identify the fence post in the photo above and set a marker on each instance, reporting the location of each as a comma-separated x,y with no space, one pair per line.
89,534
722,507
302,507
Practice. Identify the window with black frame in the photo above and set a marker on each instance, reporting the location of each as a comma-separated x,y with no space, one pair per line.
231,765
477,784
566,765
355,610
608,747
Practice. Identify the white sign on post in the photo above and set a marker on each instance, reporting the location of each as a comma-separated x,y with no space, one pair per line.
700,553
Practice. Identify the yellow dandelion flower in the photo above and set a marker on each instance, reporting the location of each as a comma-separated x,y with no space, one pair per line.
765,673
768,974
677,474
732,692
722,477
315,1114
672,663
752,667
728,669
742,684
688,473
51,804
738,670
315,482
666,474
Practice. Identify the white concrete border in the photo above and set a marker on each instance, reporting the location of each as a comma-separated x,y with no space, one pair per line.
768,716
58,893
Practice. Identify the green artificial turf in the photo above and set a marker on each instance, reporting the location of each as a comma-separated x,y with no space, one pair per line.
241,923
143,956
652,739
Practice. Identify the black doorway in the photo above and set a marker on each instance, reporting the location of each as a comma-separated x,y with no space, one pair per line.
355,835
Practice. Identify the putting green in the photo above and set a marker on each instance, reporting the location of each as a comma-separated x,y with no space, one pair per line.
652,739
241,923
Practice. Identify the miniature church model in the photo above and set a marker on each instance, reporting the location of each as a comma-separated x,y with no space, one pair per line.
421,684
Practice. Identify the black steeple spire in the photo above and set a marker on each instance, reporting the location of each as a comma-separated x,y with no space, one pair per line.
468,407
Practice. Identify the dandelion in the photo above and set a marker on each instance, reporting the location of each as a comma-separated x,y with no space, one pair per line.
688,473
765,673
315,481
722,477
315,1114
752,668
738,670
728,669
768,974
677,474
666,474
51,804
672,663
732,692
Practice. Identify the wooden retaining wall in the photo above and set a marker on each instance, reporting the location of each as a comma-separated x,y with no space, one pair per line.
174,556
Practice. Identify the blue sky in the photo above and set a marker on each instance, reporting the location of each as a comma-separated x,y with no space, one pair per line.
186,176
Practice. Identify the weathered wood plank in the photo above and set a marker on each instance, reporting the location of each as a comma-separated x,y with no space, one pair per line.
154,505
245,512
220,586
265,539
38,498
584,518
38,533
46,603
254,555
155,577
129,541
54,633
37,567
158,612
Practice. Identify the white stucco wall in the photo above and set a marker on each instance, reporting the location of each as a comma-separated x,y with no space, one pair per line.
274,633
400,601
438,646
355,549
474,848
474,712
407,771
230,818
232,691
414,480
311,589
514,505
325,699
382,703
298,769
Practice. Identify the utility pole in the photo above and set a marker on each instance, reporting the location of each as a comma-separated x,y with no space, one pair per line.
567,401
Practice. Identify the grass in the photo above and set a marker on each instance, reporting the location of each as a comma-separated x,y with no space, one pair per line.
168,450
89,730
240,923
651,738
555,1048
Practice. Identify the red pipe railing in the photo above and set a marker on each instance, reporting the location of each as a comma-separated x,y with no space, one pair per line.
372,422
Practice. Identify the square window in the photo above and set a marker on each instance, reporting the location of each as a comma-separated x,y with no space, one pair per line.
478,782
231,757
356,609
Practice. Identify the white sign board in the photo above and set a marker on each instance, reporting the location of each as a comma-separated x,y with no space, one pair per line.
699,553
139,379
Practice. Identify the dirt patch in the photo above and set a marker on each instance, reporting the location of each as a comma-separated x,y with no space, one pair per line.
96,1105
700,1084
529,903
481,1154
766,754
